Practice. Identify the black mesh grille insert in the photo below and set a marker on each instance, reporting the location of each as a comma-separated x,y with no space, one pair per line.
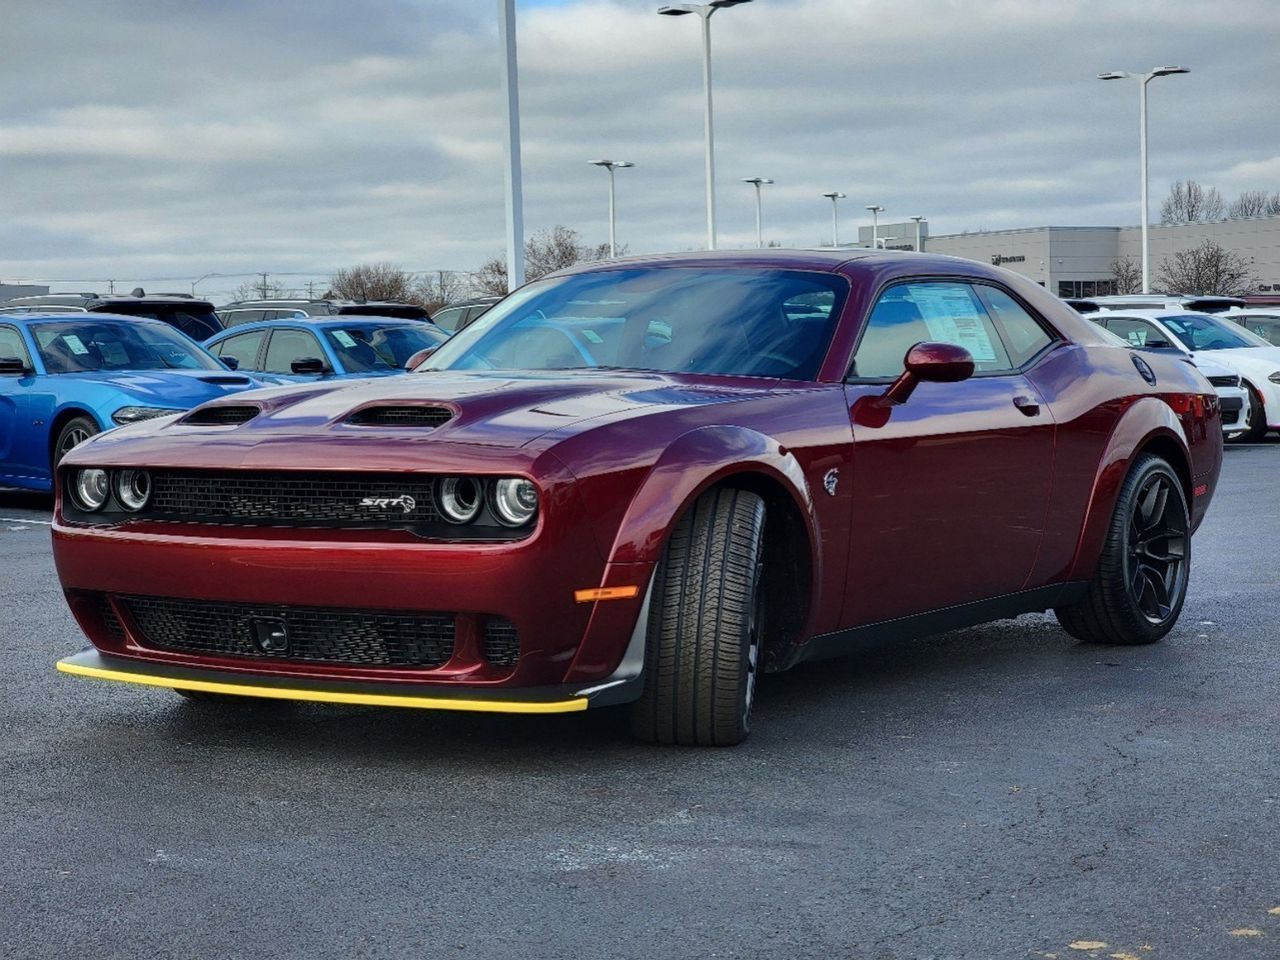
501,642
221,415
110,622
281,498
1225,381
404,416
367,638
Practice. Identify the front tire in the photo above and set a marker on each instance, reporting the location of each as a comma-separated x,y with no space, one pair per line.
702,651
1137,593
75,432
1256,419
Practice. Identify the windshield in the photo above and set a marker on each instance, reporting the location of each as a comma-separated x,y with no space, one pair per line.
1199,332
1268,328
367,347
733,322
88,345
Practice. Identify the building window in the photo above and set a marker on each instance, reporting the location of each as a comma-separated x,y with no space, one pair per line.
1086,288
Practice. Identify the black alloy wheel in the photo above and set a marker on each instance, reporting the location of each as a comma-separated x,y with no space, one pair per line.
1156,563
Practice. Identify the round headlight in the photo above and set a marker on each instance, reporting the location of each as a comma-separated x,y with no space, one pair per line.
459,499
133,489
515,501
90,488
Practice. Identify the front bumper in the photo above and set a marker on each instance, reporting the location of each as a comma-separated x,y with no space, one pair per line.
565,698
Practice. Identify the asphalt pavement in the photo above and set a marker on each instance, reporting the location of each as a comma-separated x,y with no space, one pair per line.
989,793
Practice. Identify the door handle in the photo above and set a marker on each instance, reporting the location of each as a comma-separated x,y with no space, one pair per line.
1026,405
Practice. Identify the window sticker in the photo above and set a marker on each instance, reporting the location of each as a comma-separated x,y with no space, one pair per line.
344,338
949,314
75,344
593,336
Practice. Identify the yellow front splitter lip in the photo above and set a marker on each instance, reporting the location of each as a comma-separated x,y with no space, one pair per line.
90,663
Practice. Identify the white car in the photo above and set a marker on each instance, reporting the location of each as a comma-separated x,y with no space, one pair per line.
1264,321
1256,361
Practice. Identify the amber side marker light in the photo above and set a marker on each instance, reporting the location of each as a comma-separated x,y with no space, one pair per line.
605,593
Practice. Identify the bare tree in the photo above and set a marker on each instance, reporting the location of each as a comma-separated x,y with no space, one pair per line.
1207,269
1126,272
545,252
1254,203
374,281
260,290
1188,202
438,288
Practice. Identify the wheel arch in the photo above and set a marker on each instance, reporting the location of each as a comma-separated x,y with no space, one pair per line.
60,419
1147,426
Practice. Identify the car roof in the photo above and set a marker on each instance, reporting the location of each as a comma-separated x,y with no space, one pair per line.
1150,314
95,316
311,323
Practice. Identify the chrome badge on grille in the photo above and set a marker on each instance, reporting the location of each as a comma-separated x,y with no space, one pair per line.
405,502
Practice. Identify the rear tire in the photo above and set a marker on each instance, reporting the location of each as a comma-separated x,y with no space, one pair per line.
702,651
1137,593
73,433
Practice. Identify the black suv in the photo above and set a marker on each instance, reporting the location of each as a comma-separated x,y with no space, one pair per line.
193,317
249,311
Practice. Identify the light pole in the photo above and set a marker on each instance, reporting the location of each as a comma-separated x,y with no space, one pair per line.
758,182
835,197
511,148
705,10
876,210
917,220
612,165
201,279
1142,150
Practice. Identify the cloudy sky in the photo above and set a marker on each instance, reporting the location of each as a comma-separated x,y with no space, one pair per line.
151,139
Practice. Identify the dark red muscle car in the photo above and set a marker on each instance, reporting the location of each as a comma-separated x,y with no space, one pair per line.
647,481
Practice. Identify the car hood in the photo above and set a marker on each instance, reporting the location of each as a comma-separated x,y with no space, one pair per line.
1260,361
164,388
502,413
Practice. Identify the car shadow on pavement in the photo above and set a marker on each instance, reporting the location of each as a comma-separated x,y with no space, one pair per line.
13,499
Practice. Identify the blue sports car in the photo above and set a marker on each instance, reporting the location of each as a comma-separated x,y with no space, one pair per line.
65,377
300,349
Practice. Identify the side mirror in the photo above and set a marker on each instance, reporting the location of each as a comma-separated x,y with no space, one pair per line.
231,362
12,367
930,363
309,365
419,358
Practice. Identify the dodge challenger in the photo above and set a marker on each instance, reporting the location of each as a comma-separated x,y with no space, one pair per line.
647,482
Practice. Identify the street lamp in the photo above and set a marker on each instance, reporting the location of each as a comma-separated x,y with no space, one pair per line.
705,10
835,197
876,210
1142,149
612,165
511,146
759,182
201,279
918,220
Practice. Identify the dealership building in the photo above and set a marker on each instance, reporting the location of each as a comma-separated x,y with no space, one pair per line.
1077,261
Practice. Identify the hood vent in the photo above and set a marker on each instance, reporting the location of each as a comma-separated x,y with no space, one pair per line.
221,415
401,416
224,380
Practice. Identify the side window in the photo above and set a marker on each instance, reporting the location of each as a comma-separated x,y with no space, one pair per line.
11,345
287,346
234,318
244,348
940,311
448,318
1022,334
1139,333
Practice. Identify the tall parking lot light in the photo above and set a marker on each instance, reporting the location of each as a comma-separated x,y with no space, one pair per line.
705,10
835,197
918,221
511,111
1142,149
612,165
876,210
758,182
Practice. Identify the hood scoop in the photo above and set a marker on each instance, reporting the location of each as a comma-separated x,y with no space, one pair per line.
225,380
221,415
401,415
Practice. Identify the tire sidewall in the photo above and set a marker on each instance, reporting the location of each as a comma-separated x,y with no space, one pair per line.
1121,593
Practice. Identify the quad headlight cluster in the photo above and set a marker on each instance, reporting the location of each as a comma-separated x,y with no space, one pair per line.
92,487
512,500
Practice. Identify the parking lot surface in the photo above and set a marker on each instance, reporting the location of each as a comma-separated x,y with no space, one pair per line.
995,792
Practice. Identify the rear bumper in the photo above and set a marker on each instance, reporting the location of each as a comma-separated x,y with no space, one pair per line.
624,687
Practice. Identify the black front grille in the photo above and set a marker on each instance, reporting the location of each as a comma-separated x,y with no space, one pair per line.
221,415
110,622
367,638
1225,381
1230,404
501,642
286,499
402,416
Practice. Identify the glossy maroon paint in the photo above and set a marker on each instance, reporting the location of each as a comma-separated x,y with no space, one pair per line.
967,490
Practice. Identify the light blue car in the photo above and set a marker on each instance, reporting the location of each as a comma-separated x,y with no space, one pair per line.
65,377
310,348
